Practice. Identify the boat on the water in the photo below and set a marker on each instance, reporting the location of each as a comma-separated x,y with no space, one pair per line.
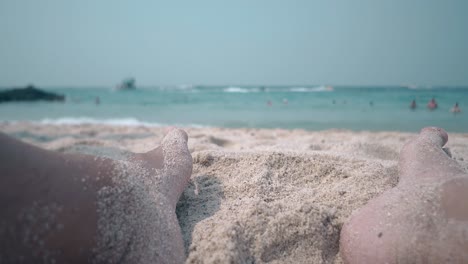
127,84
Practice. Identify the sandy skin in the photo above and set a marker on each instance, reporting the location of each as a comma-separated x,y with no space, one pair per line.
424,219
52,217
51,203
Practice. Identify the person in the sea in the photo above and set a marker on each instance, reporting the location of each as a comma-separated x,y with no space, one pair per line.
413,105
455,109
71,208
432,104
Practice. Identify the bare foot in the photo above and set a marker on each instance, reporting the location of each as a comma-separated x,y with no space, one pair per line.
77,208
424,219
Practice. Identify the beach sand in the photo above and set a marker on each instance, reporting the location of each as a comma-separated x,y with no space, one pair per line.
258,195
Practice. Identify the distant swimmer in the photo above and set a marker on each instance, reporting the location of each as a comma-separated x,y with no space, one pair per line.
432,104
285,101
371,103
97,101
455,109
269,103
333,102
413,105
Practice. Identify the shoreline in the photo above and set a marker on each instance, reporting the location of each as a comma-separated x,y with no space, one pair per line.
262,195
133,123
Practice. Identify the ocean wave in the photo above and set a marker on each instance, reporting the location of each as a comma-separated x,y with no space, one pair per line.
179,88
111,121
182,87
240,90
311,89
416,87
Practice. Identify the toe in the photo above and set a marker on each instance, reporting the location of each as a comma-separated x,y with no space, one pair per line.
424,156
175,135
177,163
435,135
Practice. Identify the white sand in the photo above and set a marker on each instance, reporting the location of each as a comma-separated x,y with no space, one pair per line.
276,196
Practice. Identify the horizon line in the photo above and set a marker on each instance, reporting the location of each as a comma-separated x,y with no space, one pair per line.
409,86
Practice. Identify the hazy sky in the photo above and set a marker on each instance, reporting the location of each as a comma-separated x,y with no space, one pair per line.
98,42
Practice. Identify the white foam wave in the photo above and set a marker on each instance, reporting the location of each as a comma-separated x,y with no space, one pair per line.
111,121
240,90
311,89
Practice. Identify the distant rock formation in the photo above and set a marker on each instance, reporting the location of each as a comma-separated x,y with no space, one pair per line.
30,93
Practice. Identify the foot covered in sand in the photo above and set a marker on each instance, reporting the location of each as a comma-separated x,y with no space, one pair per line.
424,219
68,208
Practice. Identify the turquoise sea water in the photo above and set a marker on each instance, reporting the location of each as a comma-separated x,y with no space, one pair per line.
307,107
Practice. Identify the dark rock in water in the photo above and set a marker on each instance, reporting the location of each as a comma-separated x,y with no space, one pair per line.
30,93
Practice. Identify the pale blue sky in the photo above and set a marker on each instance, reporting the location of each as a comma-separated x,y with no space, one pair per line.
358,42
